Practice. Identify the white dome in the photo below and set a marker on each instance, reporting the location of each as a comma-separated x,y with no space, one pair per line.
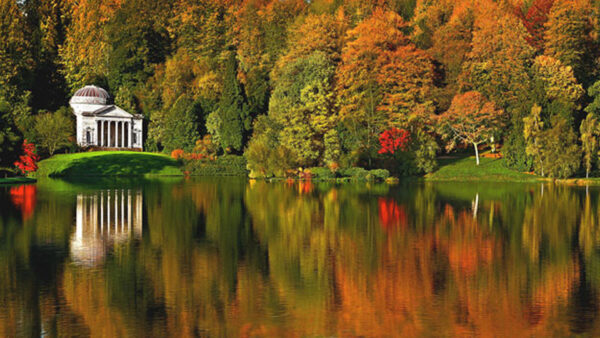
90,95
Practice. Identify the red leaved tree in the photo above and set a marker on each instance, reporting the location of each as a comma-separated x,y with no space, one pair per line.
28,161
471,119
393,140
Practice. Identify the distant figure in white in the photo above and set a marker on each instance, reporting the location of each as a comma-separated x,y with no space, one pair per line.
104,125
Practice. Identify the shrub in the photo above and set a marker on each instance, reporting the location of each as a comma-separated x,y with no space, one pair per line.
227,165
177,154
321,173
354,172
379,174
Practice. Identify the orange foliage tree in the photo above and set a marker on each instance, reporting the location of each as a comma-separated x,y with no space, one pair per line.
471,119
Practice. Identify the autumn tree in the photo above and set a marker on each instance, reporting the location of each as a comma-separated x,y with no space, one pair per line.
381,78
589,141
84,53
498,64
15,58
569,36
471,119
534,21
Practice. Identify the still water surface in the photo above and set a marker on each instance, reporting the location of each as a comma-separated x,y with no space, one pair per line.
226,257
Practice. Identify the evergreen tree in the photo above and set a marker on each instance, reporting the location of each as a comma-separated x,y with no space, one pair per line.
235,119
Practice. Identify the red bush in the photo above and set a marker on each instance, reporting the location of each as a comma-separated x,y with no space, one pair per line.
28,161
393,140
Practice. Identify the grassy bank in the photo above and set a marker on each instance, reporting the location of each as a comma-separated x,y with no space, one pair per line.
108,163
489,169
16,180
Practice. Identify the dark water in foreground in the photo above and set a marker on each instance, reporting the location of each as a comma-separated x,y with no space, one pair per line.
234,258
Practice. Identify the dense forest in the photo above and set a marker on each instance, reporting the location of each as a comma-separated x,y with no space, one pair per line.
324,83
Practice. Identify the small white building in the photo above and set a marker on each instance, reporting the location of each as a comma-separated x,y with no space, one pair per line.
104,125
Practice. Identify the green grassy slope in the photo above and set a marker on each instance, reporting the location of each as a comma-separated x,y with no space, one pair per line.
16,180
108,163
465,169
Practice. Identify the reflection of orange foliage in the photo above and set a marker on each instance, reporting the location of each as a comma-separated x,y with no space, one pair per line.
469,249
305,187
24,197
391,214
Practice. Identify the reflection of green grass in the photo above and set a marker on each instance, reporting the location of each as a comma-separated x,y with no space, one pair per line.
465,169
108,163
16,180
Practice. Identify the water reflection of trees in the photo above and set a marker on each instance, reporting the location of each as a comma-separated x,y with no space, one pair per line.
219,258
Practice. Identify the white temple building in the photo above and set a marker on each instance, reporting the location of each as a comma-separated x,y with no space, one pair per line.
104,125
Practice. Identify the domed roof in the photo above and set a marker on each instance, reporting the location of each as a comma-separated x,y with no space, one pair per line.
90,95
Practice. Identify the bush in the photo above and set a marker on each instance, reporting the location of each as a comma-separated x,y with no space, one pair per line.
226,165
379,174
354,172
321,173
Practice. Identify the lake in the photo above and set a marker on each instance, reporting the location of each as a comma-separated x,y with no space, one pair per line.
228,257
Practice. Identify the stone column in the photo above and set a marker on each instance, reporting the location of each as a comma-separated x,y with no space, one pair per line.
101,212
100,134
130,129
122,134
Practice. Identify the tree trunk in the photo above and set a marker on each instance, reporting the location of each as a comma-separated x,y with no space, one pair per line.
476,152
587,173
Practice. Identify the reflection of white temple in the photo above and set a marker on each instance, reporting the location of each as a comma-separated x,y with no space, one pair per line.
104,219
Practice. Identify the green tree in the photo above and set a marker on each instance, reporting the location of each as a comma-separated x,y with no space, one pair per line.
10,139
233,110
589,141
302,102
138,40
181,127
15,58
559,149
533,127
569,36
53,131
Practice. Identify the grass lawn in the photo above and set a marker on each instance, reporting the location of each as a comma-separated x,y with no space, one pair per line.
16,180
108,163
465,169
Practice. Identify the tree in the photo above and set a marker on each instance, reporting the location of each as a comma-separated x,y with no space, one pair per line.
534,21
499,62
10,139
15,58
561,90
471,119
554,148
533,127
233,110
302,102
180,126
560,151
380,79
84,54
53,131
138,39
589,141
594,106
569,36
